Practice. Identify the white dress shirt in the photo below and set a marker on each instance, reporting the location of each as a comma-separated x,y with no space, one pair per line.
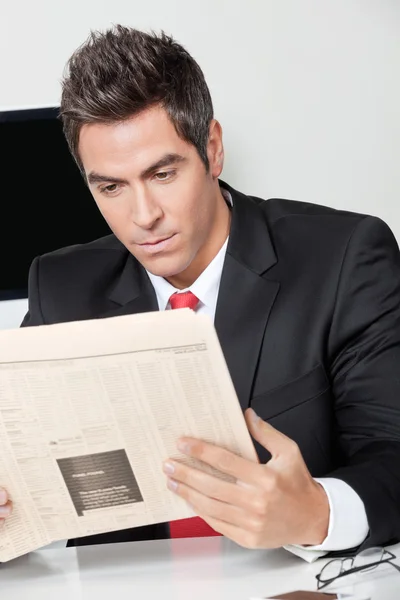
348,525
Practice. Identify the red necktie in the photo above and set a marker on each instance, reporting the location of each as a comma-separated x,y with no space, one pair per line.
184,300
194,527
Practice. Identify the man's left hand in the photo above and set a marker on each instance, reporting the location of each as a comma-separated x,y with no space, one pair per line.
266,506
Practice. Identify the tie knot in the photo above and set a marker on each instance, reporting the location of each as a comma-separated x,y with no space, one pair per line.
184,300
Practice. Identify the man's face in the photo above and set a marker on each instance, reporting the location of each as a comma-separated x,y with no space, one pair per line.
155,194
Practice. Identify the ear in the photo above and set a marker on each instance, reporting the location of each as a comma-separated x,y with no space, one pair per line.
215,149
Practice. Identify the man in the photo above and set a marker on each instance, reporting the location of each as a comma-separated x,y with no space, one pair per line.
305,300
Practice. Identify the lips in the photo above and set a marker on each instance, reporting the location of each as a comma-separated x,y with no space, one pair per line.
155,242
158,246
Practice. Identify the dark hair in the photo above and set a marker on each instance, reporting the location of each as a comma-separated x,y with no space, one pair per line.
119,73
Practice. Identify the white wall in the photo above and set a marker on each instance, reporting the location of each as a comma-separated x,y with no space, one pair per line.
12,312
307,91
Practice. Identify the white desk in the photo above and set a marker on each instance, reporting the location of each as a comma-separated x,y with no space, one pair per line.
195,569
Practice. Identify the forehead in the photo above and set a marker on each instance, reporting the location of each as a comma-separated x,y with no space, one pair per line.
136,142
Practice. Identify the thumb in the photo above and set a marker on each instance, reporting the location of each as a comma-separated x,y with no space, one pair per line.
273,440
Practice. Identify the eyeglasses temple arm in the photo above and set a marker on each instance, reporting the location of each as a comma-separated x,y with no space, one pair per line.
393,565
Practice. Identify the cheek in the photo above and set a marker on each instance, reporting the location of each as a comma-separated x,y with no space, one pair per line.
192,219
202,215
193,210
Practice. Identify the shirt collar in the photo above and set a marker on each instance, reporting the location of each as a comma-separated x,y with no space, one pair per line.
205,288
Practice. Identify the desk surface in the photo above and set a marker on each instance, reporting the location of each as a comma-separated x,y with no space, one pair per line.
194,569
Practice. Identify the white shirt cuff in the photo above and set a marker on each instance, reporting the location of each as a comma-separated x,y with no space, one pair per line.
348,523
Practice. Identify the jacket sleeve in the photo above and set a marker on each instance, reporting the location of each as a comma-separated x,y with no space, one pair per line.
34,315
364,349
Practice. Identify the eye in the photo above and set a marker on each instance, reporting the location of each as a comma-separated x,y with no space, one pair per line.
109,189
164,175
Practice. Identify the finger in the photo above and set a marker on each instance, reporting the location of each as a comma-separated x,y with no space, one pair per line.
3,496
273,440
210,486
6,510
208,507
222,460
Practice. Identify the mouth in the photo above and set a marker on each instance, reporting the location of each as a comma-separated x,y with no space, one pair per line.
153,247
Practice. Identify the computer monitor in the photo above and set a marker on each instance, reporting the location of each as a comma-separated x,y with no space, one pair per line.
45,203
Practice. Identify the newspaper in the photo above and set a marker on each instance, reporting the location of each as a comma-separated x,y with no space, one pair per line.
89,410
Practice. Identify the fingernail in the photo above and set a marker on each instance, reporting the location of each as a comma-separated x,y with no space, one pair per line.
184,447
254,416
169,468
172,485
3,496
4,511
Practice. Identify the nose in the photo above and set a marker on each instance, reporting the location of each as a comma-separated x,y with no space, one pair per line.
145,210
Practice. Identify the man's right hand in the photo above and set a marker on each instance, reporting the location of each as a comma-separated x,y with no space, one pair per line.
5,506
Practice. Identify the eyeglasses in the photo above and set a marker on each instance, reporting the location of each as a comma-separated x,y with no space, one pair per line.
367,560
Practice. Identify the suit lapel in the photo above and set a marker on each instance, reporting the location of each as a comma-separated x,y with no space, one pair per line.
133,292
246,296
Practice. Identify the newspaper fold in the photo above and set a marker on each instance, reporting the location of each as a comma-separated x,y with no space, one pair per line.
88,412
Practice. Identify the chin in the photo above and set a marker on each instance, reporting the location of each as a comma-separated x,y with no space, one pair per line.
166,267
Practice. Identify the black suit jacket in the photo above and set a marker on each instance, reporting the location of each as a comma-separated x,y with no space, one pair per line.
308,317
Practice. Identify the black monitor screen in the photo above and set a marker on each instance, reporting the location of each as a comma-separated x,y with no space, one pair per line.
45,202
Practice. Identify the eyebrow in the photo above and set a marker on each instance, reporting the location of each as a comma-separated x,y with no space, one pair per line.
164,161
